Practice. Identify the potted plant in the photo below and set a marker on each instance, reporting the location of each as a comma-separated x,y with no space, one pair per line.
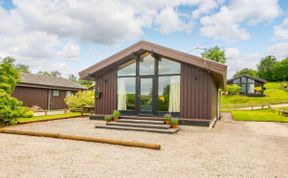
108,118
116,115
167,118
174,123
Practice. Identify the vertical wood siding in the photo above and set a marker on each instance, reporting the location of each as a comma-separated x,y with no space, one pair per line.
107,85
32,96
198,93
57,102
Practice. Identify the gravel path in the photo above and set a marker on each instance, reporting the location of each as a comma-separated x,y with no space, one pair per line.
231,149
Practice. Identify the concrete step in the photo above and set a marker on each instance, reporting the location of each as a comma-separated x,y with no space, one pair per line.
167,131
141,121
156,126
142,118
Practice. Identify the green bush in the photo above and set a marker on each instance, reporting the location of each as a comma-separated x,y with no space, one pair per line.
11,108
108,118
233,89
116,114
174,121
80,100
167,117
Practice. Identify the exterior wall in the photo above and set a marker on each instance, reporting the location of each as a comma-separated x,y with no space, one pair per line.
107,84
57,102
40,97
32,96
198,93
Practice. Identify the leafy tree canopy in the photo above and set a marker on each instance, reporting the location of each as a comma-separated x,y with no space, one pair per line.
246,71
54,73
84,83
215,54
10,107
281,70
265,68
9,76
23,68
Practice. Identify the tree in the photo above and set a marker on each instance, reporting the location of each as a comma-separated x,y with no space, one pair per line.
85,83
281,70
50,74
246,71
80,99
10,107
9,76
265,69
22,68
215,54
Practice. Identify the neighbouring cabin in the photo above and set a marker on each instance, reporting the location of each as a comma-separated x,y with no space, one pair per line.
43,91
150,80
251,86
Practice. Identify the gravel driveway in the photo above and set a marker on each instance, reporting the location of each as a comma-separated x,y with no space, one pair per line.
231,149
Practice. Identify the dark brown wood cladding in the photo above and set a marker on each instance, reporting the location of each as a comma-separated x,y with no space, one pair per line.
32,96
57,102
198,93
107,85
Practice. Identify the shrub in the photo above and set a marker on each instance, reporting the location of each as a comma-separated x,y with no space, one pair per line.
233,89
108,118
167,117
116,114
174,121
11,108
258,89
80,100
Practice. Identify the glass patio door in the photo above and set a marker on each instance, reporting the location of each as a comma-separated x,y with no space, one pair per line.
146,95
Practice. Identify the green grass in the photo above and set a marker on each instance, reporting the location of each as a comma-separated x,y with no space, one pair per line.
273,94
48,117
264,115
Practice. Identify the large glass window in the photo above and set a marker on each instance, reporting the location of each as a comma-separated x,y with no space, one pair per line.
237,81
126,93
128,69
169,93
167,66
147,64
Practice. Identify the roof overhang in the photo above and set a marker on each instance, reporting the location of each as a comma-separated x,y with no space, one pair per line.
218,71
29,85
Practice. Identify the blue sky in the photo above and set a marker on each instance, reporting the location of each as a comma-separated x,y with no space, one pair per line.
69,36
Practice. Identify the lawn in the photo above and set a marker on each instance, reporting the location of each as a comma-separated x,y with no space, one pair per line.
265,115
273,94
48,117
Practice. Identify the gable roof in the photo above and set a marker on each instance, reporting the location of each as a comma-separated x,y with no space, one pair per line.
39,81
218,70
248,76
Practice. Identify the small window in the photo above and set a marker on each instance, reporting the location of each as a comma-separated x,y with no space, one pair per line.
251,81
56,93
243,79
237,81
68,93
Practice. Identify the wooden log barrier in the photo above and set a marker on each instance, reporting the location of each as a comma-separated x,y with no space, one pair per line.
83,138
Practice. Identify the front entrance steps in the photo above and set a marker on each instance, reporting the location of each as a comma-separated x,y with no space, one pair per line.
137,123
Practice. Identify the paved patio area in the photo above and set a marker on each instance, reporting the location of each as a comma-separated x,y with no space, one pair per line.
232,149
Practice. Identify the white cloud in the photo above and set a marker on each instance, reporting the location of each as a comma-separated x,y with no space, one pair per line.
204,8
70,51
237,61
226,24
168,21
279,50
280,32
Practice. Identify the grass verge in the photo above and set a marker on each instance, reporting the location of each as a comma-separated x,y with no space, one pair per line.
265,115
46,118
273,94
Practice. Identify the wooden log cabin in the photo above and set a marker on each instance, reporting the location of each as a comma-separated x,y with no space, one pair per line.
151,80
